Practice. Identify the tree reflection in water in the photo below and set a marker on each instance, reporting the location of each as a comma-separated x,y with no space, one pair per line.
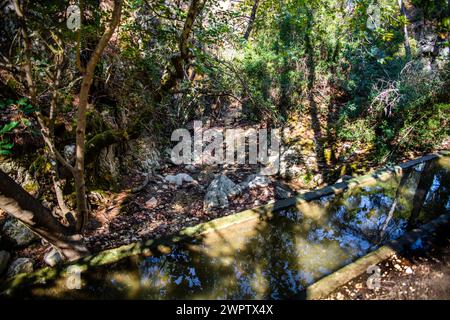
274,258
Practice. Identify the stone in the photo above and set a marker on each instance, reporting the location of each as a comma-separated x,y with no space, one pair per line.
108,164
4,258
255,181
191,168
20,265
179,179
53,257
409,270
69,152
19,174
142,154
151,203
218,192
97,198
18,232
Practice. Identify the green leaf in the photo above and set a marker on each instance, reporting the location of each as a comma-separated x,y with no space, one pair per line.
8,127
6,145
5,152
22,102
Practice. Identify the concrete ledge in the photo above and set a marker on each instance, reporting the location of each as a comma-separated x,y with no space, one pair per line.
338,278
147,247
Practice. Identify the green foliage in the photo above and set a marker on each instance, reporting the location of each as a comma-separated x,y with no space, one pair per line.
300,56
19,110
425,131
359,131
5,143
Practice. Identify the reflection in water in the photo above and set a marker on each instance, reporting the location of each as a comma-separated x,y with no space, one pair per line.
275,258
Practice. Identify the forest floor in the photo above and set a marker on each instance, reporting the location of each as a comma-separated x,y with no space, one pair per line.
161,208
418,275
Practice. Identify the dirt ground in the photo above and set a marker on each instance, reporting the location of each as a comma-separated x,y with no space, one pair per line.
422,274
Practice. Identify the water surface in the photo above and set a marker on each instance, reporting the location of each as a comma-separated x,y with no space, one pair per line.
275,258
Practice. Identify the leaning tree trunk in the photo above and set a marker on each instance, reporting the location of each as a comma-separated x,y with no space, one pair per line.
78,172
174,71
21,205
251,20
405,30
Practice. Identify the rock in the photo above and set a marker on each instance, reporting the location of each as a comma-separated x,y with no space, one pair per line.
69,152
19,174
255,181
318,179
283,192
191,168
219,191
397,266
18,232
20,265
4,258
142,154
179,179
97,198
53,257
409,270
151,203
108,164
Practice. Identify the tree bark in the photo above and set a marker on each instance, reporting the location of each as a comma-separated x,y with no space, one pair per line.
22,206
27,67
80,187
171,77
251,20
405,30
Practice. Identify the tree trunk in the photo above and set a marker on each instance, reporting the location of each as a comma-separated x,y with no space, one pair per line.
171,77
251,20
80,187
405,30
21,205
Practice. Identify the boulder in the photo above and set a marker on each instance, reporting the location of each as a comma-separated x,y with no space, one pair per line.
53,257
255,181
69,152
179,179
4,258
108,164
191,168
20,265
19,173
218,192
18,232
142,154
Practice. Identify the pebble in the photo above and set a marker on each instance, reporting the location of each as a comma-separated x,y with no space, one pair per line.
151,203
409,271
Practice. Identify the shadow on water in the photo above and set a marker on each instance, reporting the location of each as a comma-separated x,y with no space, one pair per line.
273,257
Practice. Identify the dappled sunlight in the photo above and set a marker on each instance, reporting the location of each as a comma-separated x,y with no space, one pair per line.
266,255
